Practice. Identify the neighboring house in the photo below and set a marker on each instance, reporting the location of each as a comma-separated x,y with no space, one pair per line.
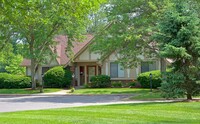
87,64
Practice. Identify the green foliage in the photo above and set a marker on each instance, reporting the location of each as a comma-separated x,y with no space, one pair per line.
14,66
35,23
171,85
100,81
14,81
132,84
116,84
128,30
86,86
72,89
10,62
144,79
57,77
178,37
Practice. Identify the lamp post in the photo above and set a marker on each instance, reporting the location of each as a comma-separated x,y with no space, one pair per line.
150,77
73,80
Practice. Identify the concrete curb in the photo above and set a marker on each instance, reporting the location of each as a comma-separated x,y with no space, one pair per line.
18,95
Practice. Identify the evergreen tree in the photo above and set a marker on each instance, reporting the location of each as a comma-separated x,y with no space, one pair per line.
179,39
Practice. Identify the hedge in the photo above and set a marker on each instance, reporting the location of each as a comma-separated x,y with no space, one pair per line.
57,77
100,81
14,81
144,79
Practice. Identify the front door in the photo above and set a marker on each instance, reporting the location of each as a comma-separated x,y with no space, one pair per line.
82,75
91,71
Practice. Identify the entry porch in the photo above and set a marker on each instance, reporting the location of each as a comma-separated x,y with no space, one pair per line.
83,71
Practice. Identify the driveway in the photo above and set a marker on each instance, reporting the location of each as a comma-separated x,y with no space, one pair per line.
20,103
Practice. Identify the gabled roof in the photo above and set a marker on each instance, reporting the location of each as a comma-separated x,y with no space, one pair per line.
62,58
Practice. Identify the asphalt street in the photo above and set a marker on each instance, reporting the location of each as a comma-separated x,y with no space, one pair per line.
21,103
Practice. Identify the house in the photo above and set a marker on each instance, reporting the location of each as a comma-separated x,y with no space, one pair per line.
87,64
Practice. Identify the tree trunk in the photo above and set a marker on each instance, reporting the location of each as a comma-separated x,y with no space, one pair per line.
162,65
33,74
39,72
31,48
189,96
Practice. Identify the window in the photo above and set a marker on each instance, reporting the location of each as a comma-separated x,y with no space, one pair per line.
148,66
116,70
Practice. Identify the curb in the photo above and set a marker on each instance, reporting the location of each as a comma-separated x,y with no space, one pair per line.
18,95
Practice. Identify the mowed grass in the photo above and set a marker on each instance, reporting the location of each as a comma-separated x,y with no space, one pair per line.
27,91
138,93
156,113
110,91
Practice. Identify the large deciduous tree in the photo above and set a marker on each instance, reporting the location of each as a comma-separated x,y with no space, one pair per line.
36,22
131,28
128,30
179,39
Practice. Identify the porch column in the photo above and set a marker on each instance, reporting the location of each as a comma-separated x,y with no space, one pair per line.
72,69
106,68
78,75
85,72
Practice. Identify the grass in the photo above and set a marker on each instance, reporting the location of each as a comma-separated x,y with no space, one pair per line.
27,91
156,113
138,93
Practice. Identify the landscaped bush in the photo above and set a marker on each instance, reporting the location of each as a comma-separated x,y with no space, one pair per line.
116,84
132,84
100,81
144,79
14,81
57,77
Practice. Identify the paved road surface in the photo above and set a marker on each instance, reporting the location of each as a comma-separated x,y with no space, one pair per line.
20,103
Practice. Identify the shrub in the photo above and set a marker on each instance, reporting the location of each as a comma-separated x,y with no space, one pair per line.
116,84
86,86
144,79
57,77
100,81
132,84
14,81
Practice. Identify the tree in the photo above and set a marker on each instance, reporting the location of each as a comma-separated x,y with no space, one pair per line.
128,30
10,62
131,28
36,22
179,39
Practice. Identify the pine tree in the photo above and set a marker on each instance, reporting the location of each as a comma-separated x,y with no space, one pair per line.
179,39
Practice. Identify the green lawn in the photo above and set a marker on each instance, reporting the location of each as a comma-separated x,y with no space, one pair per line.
27,91
111,114
138,93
